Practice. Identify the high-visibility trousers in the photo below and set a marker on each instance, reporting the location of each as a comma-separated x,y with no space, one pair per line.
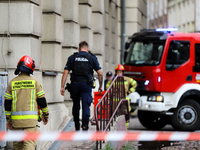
25,145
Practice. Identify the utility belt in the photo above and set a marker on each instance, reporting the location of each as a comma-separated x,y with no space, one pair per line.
87,79
90,81
79,80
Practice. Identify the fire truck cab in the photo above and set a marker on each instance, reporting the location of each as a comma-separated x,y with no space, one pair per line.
166,66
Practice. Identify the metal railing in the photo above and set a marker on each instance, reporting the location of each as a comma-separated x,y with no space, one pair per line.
111,105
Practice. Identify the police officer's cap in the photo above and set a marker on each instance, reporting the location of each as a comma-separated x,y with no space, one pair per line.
109,73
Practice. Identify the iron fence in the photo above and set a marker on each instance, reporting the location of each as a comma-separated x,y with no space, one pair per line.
111,105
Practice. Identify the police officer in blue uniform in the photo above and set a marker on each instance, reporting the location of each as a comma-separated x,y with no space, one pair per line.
82,65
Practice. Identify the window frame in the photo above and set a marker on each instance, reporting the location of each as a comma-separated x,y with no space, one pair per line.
175,66
195,67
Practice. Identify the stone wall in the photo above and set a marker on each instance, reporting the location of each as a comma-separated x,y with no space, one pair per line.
49,31
136,15
182,14
157,14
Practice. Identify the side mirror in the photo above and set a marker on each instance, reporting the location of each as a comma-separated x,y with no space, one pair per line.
175,57
127,45
176,46
125,55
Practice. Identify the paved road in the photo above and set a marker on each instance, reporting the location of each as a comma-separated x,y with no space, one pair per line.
136,125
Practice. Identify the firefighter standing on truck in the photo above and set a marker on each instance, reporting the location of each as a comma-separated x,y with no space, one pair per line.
82,65
129,84
23,96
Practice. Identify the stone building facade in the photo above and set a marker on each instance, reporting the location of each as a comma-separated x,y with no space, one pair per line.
50,30
157,14
181,14
136,16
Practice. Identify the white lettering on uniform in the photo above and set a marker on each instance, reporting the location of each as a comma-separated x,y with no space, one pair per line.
81,59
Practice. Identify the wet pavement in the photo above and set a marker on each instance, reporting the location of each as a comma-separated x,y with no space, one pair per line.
162,145
157,145
184,145
73,145
141,145
135,125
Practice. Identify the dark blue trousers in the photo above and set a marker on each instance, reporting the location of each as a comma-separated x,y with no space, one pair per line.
81,90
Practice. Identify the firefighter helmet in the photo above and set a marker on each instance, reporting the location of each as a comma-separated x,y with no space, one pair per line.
26,64
119,67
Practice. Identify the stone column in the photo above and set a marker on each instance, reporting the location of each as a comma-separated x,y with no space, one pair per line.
107,56
85,21
70,13
97,28
113,32
136,14
111,35
51,64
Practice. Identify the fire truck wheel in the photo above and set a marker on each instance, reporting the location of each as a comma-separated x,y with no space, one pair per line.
152,120
186,117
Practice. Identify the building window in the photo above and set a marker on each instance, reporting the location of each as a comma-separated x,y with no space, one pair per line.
174,16
156,9
188,12
160,8
192,7
165,7
183,12
152,10
179,14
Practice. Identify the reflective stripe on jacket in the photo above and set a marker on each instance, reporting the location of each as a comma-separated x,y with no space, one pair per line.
23,92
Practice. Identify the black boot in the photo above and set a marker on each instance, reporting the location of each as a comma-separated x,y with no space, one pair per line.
84,128
77,126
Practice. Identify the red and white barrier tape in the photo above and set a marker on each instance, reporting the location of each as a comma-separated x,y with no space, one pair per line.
100,136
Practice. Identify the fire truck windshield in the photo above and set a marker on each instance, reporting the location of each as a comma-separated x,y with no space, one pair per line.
145,53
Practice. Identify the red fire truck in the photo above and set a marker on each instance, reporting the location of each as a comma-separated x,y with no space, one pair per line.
166,66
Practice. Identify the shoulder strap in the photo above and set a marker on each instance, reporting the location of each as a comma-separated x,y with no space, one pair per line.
88,56
75,53
91,53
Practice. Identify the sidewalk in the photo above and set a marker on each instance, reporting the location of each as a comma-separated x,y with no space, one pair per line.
73,145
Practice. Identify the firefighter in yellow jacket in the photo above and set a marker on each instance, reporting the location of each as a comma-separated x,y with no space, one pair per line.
23,96
129,84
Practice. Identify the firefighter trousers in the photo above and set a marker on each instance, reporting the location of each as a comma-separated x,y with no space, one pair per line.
25,145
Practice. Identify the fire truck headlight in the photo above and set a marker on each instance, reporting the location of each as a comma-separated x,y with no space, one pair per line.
158,98
146,82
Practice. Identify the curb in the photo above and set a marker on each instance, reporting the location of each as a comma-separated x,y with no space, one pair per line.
68,127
